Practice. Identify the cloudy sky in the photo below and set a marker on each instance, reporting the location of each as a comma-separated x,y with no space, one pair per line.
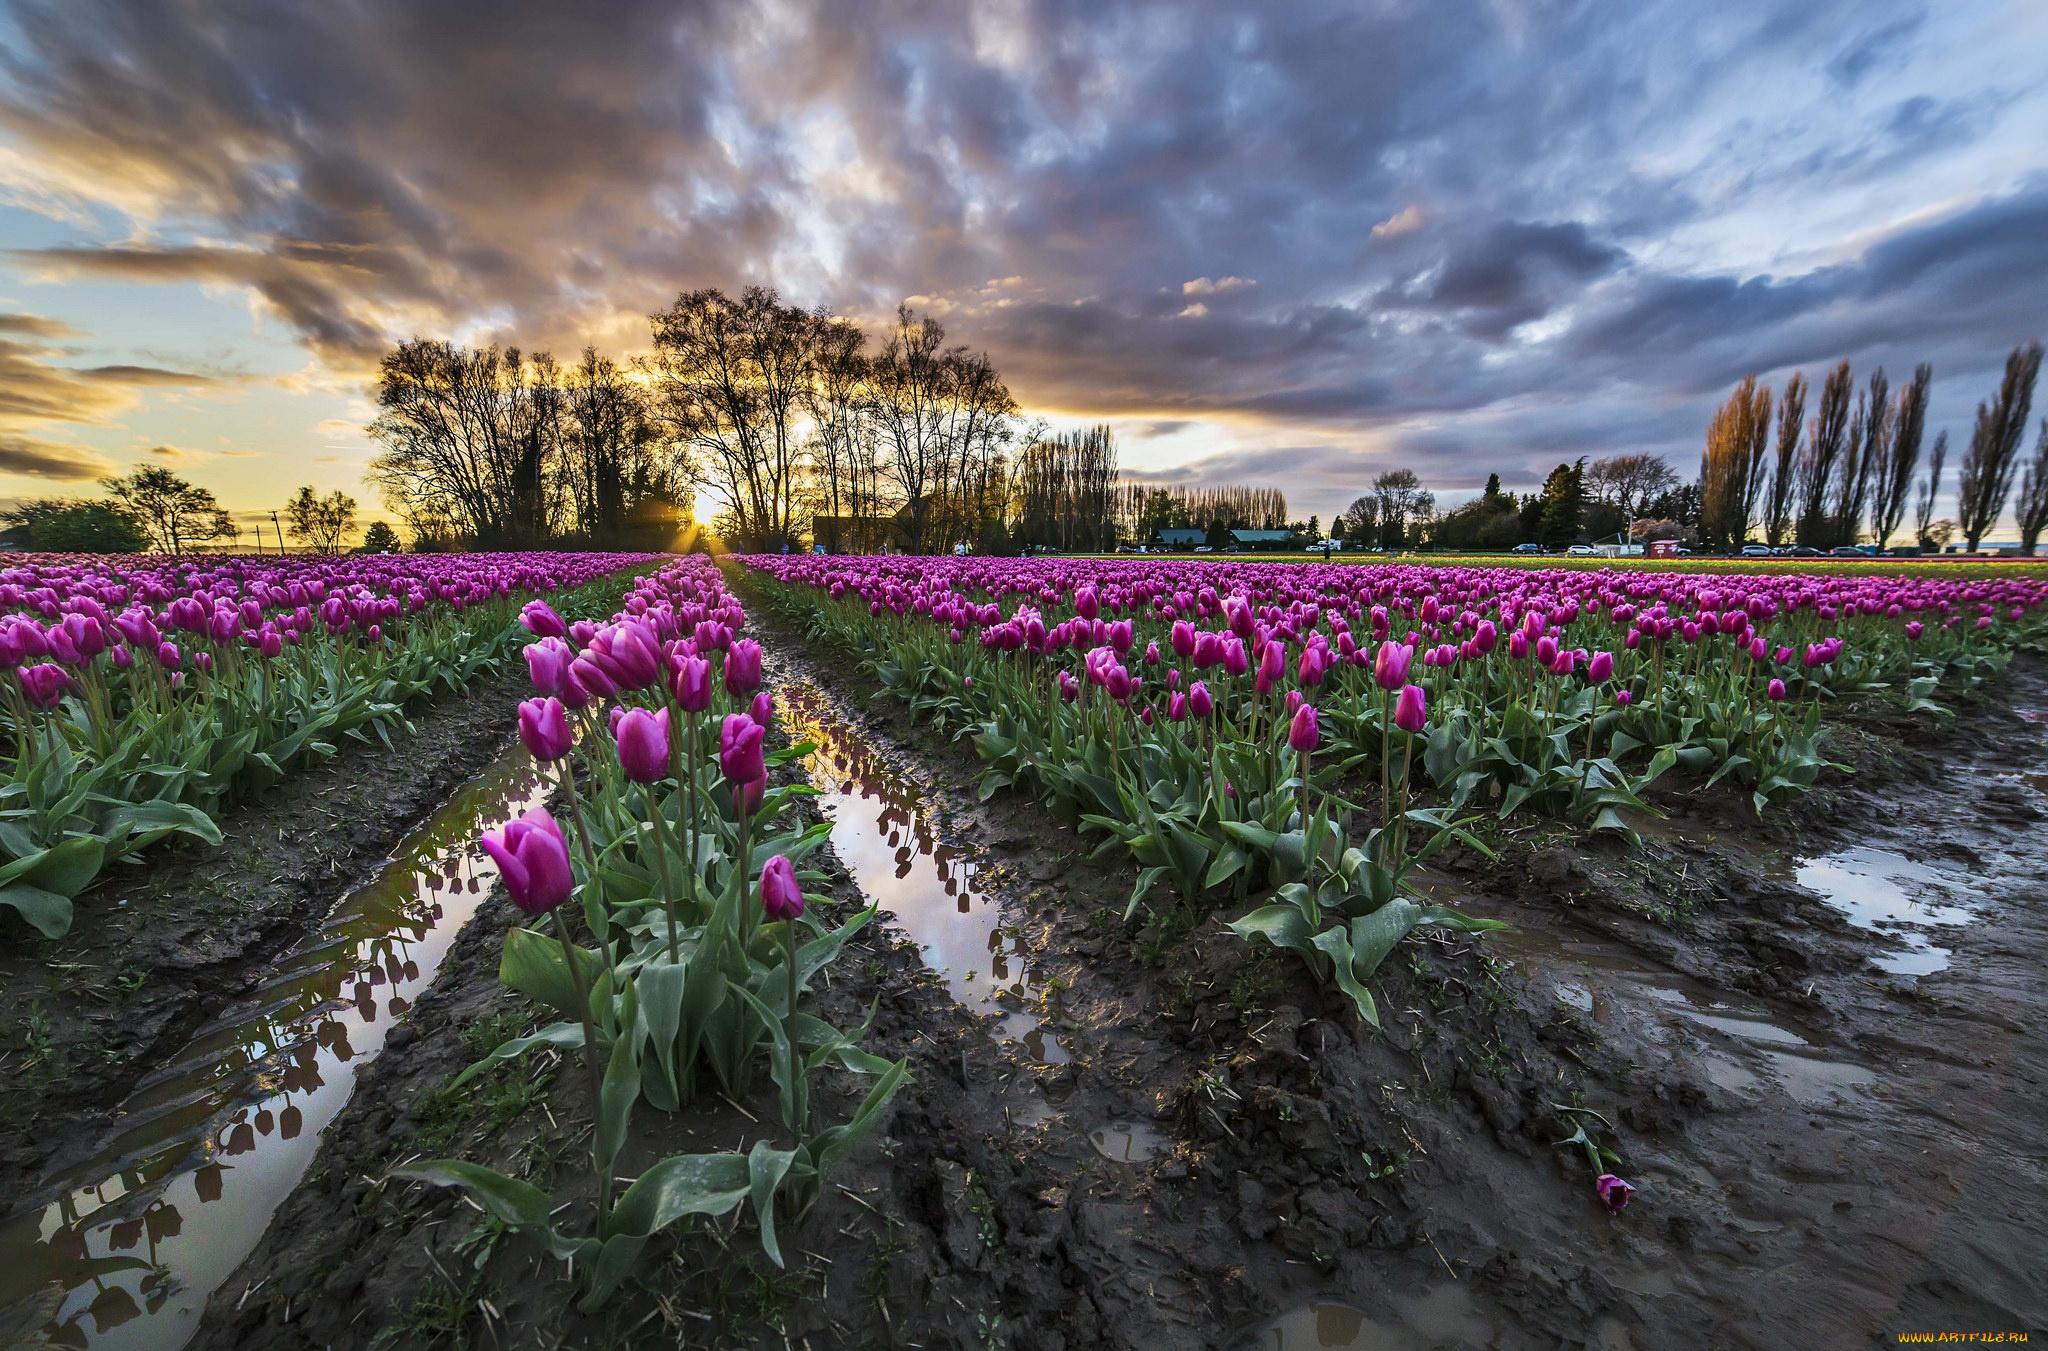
1282,244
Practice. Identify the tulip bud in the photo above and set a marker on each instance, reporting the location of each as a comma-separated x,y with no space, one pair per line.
689,680
1390,665
544,728
541,620
739,750
1199,702
1775,690
643,744
1303,734
781,897
1601,669
742,667
533,861
44,685
1411,710
762,710
1613,1192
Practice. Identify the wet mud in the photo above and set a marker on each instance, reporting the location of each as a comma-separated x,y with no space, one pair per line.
1815,1044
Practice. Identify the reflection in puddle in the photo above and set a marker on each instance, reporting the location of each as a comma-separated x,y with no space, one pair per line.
1445,1315
888,847
1617,989
1887,893
140,1236
1128,1141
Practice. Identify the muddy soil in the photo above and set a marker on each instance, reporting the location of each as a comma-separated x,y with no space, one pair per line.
161,945
1829,1151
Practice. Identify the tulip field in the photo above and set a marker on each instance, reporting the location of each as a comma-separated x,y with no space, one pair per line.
1315,1010
1229,725
139,697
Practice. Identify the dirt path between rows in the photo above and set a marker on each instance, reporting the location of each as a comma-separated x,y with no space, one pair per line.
159,947
1828,1153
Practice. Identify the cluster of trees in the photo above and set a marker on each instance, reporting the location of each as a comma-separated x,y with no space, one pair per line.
784,413
493,447
1600,501
155,509
1853,470
1142,512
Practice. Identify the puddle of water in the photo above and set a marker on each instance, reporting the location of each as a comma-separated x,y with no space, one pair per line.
1893,895
1814,1081
1444,1315
1128,1141
140,1236
887,845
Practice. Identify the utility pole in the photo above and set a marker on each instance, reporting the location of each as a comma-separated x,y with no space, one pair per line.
280,534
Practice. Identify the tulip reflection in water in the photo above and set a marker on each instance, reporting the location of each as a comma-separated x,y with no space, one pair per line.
888,846
139,1237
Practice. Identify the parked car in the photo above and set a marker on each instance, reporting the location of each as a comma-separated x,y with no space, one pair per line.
1205,548
1582,551
1801,551
1847,551
1756,551
1528,548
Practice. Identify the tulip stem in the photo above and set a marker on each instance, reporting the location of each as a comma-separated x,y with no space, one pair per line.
589,855
668,890
575,962
799,1108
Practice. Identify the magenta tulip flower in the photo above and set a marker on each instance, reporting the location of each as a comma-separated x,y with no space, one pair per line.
533,861
1183,639
1613,1192
44,685
781,897
689,680
547,664
1776,690
762,710
1176,707
643,744
1303,734
1199,702
742,667
1411,710
544,728
1235,662
1390,665
541,620
740,757
1601,669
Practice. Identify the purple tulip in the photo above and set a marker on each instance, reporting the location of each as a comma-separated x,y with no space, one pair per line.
1624,698
740,757
689,680
1613,1192
541,620
533,861
643,744
547,664
1199,702
1411,710
1176,707
762,710
44,685
742,667
544,728
781,897
1775,690
1302,733
168,656
1601,668
1208,651
1310,669
1390,665
591,677
1235,662
1183,639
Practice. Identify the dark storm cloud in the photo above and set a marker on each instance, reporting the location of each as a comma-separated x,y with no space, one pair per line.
1435,226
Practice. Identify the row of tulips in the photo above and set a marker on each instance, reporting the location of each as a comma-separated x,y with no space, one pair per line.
1226,723
673,935
136,698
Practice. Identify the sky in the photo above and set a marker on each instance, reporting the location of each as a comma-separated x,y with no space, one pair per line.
1288,245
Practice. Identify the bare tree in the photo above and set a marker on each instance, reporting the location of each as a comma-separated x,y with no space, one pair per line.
1824,447
1989,463
172,512
466,436
1930,488
1868,445
1785,466
1892,478
1737,439
322,523
730,377
2032,507
1630,482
